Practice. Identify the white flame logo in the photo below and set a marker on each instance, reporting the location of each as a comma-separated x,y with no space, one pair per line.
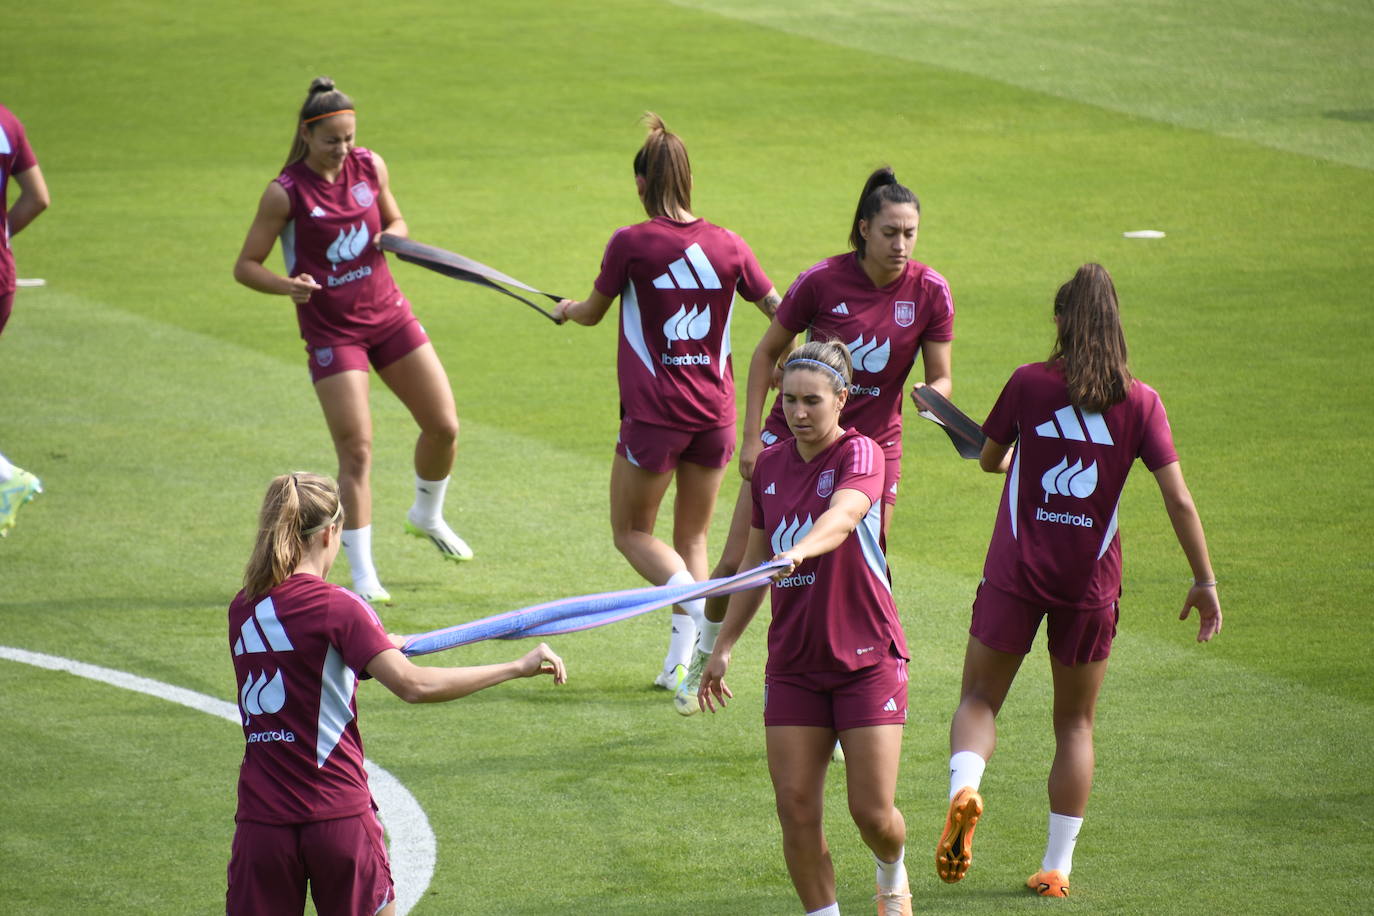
1065,479
870,357
348,245
687,325
261,696
788,533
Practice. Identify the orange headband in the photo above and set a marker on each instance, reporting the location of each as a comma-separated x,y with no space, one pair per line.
328,114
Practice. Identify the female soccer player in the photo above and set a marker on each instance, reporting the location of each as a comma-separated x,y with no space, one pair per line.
17,486
888,309
676,276
836,652
329,205
1078,421
299,645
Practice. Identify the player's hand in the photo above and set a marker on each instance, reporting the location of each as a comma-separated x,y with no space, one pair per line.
1208,605
915,403
560,311
302,285
543,660
793,559
713,689
748,454
775,377
397,640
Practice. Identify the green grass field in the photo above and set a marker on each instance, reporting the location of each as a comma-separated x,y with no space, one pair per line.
155,397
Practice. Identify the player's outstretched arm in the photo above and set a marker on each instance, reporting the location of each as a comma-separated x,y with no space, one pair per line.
1178,502
416,684
713,690
587,311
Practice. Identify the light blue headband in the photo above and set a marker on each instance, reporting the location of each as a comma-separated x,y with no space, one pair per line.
815,362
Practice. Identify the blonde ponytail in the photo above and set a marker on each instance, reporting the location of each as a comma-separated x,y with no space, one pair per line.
296,508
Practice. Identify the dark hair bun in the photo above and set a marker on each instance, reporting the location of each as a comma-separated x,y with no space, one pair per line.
321,84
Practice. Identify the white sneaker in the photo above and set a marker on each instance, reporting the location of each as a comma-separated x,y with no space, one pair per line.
441,536
685,697
671,680
372,592
16,491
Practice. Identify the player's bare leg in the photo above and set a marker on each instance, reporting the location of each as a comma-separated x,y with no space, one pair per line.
419,381
798,757
636,495
343,398
872,757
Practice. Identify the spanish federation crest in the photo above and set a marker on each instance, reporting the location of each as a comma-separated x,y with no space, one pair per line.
364,196
904,313
826,485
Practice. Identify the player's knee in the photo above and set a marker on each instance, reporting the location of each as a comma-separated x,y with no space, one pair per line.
442,430
355,456
872,818
798,810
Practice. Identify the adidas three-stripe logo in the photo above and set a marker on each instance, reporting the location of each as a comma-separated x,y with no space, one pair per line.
771,490
262,632
890,705
1092,428
840,309
680,273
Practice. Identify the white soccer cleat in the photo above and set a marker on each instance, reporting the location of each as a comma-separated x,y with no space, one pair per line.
685,697
372,592
441,536
16,491
671,680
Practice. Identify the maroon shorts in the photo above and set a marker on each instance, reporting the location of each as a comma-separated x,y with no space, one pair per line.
6,306
389,346
1007,623
660,448
344,860
892,457
838,700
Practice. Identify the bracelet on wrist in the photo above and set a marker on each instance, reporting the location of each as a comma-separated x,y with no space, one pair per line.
1212,584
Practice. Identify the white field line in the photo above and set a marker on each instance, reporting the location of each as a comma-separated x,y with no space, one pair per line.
412,841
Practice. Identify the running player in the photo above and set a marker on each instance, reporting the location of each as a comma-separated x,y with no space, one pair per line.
1078,422
17,486
329,205
837,656
676,276
299,645
888,309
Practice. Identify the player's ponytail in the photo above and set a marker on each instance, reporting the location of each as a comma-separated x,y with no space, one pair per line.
828,358
662,163
296,508
322,100
1090,344
881,188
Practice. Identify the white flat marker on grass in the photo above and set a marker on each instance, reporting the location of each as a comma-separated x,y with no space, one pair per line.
1143,234
30,281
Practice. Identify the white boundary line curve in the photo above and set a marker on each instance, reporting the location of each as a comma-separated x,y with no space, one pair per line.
412,848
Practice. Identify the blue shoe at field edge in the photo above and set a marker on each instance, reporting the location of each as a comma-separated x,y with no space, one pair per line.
19,489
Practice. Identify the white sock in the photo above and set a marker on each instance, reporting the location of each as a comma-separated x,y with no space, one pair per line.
832,910
1059,847
683,640
696,607
6,469
357,545
891,875
428,508
965,769
707,631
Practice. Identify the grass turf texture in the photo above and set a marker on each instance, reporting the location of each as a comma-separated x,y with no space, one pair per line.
155,398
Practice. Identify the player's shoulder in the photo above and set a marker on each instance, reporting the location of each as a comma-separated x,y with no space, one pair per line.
927,278
817,275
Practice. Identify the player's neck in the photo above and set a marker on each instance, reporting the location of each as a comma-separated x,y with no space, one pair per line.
881,274
809,450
